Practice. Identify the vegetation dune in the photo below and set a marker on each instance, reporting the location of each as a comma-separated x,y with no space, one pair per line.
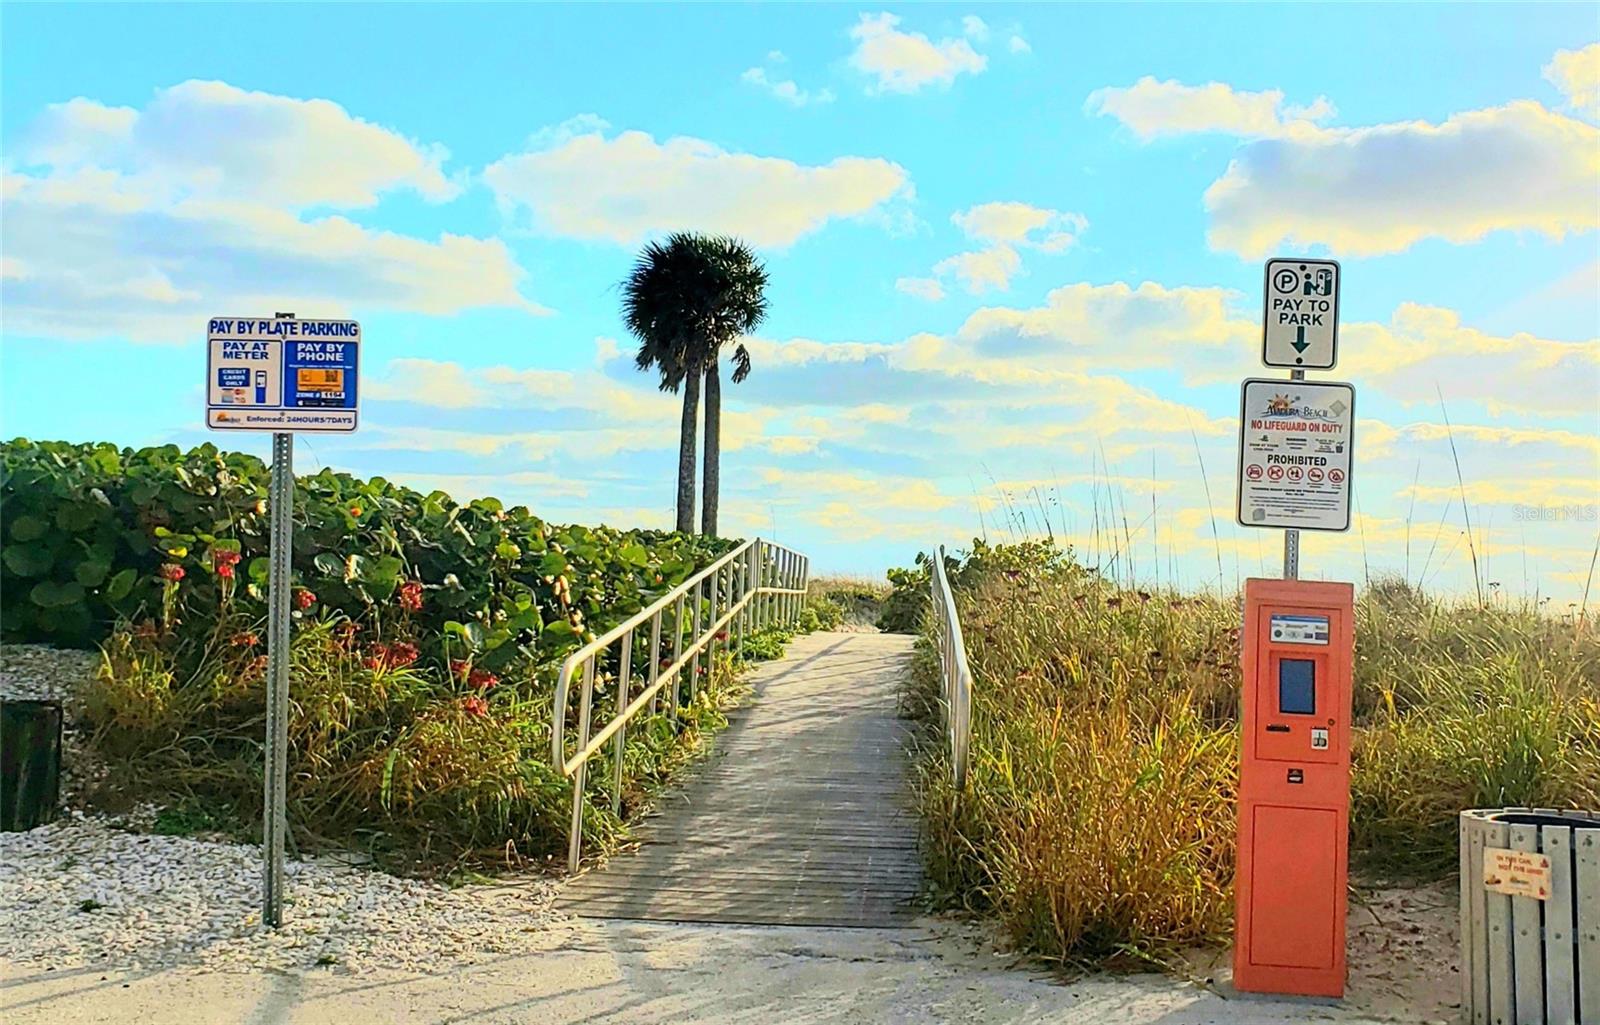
1098,820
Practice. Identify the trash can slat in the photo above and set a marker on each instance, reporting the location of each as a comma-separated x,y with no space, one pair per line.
1560,998
1586,877
1497,912
1527,939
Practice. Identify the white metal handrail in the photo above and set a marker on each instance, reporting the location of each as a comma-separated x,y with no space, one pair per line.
953,670
757,585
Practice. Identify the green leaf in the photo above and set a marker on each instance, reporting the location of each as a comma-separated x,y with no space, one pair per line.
553,564
51,595
634,554
33,561
121,585
329,564
260,569
470,633
76,518
91,572
381,575
508,551
28,528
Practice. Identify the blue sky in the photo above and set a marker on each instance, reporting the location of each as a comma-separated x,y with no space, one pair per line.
1011,248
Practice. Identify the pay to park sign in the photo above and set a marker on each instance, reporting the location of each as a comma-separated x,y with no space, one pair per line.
1295,444
1300,325
281,374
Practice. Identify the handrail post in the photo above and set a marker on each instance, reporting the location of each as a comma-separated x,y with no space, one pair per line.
711,626
677,656
575,834
655,655
694,640
619,744
747,617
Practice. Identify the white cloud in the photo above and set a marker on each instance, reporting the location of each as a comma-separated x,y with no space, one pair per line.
1382,189
981,270
1153,109
1577,74
1005,227
624,188
1021,224
142,223
443,384
907,62
214,139
786,89
974,27
923,288
1424,349
1017,44
1379,189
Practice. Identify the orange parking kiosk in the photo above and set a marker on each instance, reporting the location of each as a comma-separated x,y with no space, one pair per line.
1294,788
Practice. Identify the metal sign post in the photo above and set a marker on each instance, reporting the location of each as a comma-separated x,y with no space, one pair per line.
1291,537
282,375
280,499
1293,473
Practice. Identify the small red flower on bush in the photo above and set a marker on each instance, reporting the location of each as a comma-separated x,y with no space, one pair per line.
458,668
391,656
244,639
304,599
355,510
346,632
482,679
475,706
411,595
722,635
171,571
257,666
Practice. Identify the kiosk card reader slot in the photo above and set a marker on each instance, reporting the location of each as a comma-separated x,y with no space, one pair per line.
1294,788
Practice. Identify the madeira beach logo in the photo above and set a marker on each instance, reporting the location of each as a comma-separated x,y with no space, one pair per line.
1285,406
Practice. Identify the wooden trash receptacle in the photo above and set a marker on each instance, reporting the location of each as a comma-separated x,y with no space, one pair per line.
30,763
1530,917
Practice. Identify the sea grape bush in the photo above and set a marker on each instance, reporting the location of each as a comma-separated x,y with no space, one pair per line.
425,638
94,534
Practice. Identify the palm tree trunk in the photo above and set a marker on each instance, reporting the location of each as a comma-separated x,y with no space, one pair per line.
686,446
713,457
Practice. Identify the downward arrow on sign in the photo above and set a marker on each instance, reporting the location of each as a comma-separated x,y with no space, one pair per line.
1300,344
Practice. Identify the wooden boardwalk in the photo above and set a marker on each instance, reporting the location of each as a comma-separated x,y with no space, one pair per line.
801,815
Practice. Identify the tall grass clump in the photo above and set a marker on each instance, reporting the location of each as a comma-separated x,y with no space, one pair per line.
424,770
1461,705
1098,820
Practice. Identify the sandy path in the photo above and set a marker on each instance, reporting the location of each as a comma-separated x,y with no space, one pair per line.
598,971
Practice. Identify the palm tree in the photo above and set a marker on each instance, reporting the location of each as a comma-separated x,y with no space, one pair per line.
686,298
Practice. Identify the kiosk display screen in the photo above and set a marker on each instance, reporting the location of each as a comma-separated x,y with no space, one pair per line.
1297,686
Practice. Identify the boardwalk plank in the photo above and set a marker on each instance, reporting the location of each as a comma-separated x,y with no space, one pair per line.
801,815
